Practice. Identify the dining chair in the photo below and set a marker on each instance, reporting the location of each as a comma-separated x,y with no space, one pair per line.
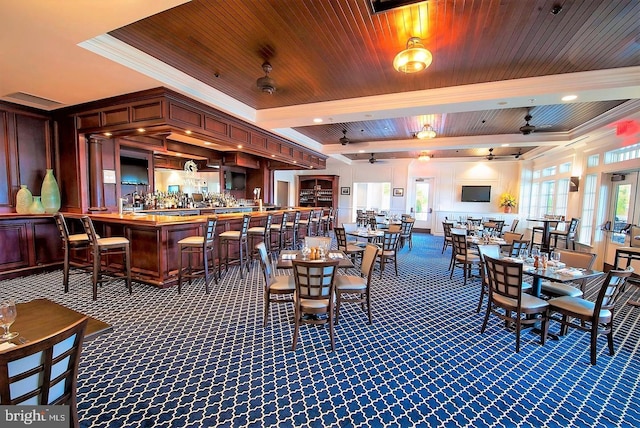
203,246
491,251
107,247
277,288
463,257
314,295
71,242
349,228
352,250
44,371
509,237
595,317
514,225
517,245
406,232
508,302
357,288
568,235
571,259
389,250
446,226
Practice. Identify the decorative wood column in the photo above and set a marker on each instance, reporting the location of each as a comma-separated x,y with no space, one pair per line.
96,181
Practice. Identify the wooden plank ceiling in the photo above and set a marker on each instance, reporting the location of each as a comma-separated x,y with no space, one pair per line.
323,50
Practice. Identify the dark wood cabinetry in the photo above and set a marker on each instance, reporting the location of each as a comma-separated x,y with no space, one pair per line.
318,190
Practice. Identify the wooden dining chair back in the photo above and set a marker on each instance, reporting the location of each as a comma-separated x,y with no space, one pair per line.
595,317
389,250
568,235
514,225
277,288
508,302
357,288
314,295
71,242
201,247
44,372
509,237
517,245
107,247
575,288
353,251
483,251
463,258
446,227
406,232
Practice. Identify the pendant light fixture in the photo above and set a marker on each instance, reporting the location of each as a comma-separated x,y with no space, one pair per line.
427,132
414,58
424,157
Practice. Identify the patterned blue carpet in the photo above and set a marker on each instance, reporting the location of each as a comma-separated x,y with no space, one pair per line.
197,360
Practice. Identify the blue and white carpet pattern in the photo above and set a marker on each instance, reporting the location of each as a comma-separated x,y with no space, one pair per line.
197,360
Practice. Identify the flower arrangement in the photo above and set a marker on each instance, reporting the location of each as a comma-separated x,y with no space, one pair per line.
507,200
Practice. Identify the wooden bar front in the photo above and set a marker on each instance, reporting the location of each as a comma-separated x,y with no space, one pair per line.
154,239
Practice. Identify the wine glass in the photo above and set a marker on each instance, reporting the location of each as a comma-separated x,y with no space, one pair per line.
8,315
535,252
555,256
523,254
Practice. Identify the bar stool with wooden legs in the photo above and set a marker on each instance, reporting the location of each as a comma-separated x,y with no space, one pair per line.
100,247
279,230
73,242
241,238
293,231
305,224
261,232
199,245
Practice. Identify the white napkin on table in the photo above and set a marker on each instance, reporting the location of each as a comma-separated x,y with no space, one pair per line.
569,271
289,256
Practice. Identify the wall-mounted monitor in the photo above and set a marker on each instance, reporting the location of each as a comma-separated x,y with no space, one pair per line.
476,194
134,171
235,180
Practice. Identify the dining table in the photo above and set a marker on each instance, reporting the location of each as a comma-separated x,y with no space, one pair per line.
369,235
560,273
286,256
546,231
40,318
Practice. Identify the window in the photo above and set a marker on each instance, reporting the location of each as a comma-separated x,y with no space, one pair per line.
623,154
371,196
563,196
546,198
593,161
549,171
588,209
565,167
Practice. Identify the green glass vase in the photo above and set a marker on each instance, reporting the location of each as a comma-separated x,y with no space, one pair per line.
36,206
50,193
24,199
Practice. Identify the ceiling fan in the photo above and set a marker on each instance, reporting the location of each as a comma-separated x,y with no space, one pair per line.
266,83
527,129
344,140
492,156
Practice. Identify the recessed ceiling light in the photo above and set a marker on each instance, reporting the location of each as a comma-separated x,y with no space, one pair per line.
569,97
187,132
360,151
504,145
317,120
503,103
108,134
239,146
207,143
140,129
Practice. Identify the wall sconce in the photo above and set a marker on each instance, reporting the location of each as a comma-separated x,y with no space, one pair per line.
574,184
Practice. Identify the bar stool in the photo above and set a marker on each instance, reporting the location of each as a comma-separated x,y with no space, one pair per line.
292,230
279,230
305,224
235,236
196,245
111,246
261,232
325,221
73,242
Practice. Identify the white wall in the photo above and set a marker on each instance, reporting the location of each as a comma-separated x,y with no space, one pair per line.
448,177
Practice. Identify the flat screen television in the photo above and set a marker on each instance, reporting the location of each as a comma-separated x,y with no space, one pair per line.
134,171
235,180
476,194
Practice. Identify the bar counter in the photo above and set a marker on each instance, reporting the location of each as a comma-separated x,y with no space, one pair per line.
30,243
154,238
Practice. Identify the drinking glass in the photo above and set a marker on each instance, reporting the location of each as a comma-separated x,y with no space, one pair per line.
306,251
8,315
555,256
535,251
523,254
